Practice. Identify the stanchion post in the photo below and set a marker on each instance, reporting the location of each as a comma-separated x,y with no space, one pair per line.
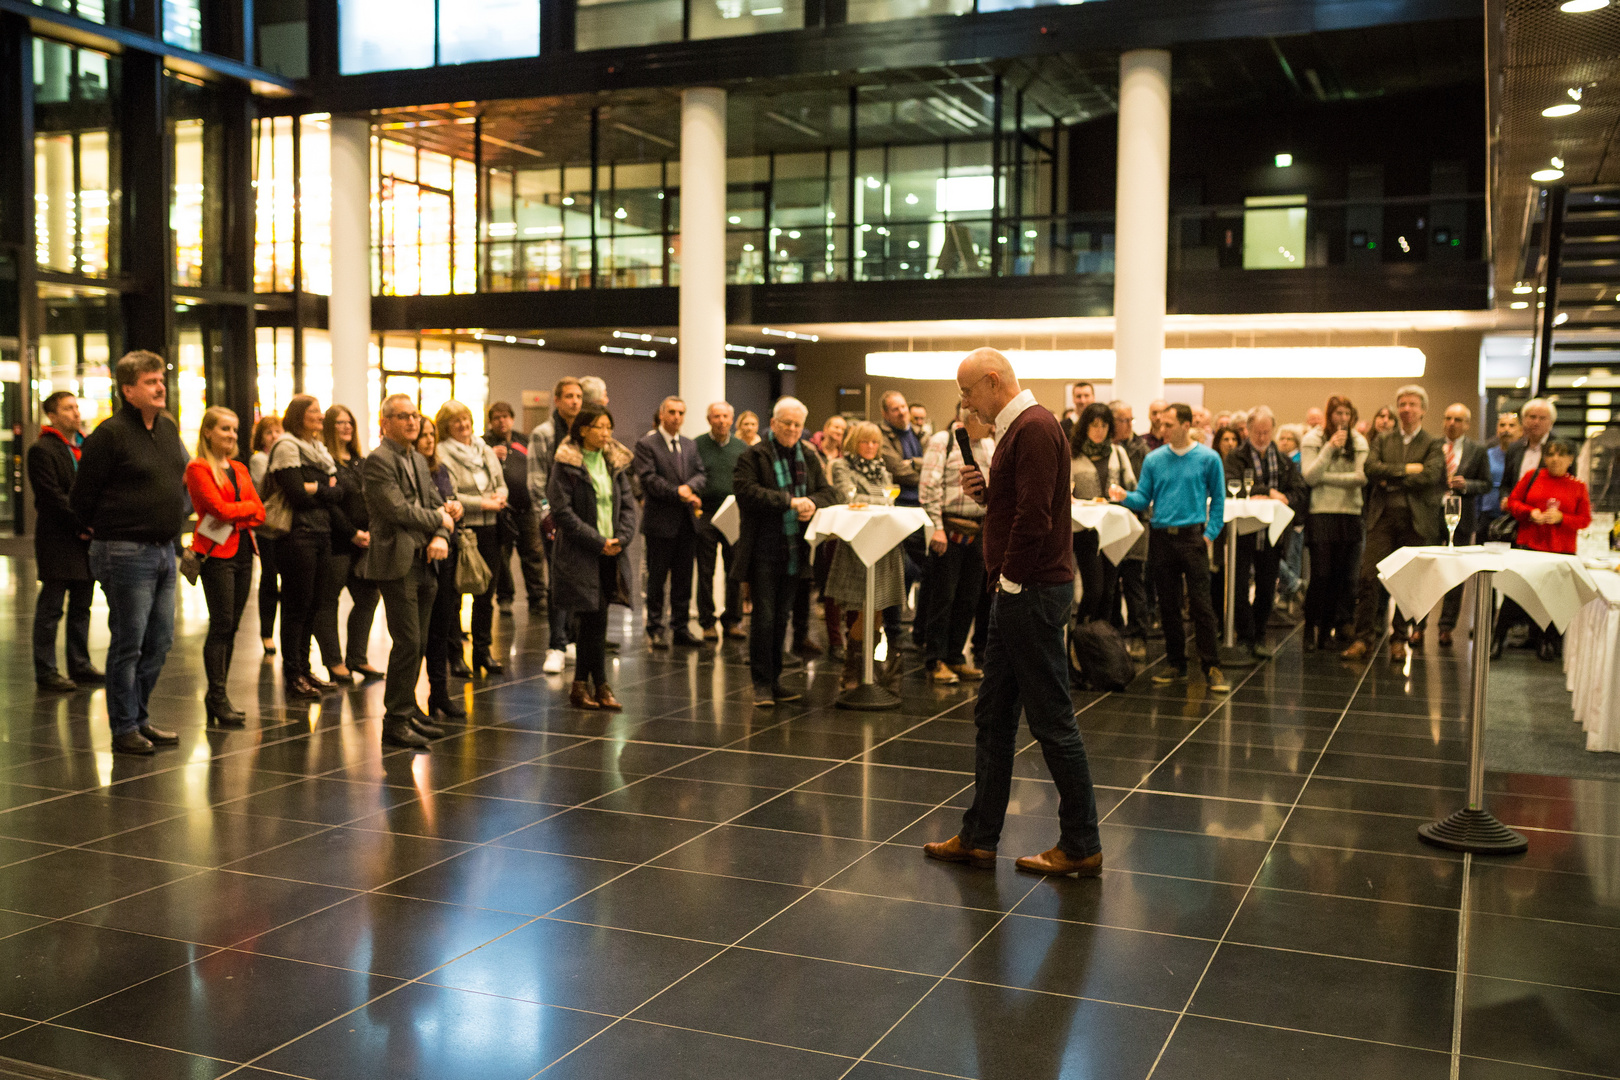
1231,655
1473,828
869,696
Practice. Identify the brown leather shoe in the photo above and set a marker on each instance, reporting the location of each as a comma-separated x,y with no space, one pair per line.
605,698
1356,651
579,696
1414,640
954,850
967,672
1397,651
1057,862
1445,639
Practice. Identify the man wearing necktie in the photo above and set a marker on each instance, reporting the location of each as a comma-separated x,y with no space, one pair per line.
672,479
1468,474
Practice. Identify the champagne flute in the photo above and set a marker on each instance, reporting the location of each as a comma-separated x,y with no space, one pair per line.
1453,512
1248,482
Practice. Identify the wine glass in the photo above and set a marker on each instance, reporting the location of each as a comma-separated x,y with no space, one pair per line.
1233,486
1452,505
1248,482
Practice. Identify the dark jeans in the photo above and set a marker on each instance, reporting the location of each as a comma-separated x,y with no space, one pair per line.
955,580
138,581
340,575
1026,671
1133,589
772,593
1097,576
443,627
711,548
669,561
556,621
1335,558
1251,616
1392,530
531,558
915,549
408,607
305,560
1175,561
48,613
590,643
226,584
269,587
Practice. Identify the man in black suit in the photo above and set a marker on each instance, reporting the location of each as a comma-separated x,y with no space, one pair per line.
1468,475
672,480
1405,469
1536,418
1275,477
61,549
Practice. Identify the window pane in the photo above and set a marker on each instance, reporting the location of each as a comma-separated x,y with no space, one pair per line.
193,386
864,11
604,24
186,206
488,30
730,18
318,365
384,35
182,23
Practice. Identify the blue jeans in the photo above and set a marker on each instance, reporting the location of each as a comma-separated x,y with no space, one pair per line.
138,580
1025,670
1290,573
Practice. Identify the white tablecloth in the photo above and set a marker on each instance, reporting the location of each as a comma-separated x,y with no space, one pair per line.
1550,588
1252,515
727,519
1592,664
1117,528
871,533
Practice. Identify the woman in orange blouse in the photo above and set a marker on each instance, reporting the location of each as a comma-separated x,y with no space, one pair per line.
228,509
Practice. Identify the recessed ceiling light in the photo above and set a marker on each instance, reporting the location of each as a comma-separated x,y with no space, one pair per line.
1547,176
1283,161
1519,305
1522,289
1567,109
1576,7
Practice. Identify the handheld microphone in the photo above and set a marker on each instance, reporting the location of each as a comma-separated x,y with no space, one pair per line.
966,445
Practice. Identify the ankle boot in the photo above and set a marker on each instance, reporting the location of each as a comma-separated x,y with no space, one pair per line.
580,696
854,657
441,703
605,698
484,663
216,662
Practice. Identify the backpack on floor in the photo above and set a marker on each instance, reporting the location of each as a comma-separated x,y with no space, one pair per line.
1098,659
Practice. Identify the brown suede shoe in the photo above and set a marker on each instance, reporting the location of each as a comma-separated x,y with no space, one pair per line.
1055,862
1445,639
967,672
1397,651
579,696
605,698
1356,651
954,850
1414,640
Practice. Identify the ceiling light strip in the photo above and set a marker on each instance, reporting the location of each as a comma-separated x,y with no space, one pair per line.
1293,362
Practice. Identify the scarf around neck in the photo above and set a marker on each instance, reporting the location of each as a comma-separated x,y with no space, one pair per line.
469,456
869,469
309,453
74,444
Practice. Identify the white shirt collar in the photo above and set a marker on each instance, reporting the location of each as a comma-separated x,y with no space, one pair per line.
1013,410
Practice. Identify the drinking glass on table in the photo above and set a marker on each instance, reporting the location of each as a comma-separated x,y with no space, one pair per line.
1452,505
1233,486
1248,482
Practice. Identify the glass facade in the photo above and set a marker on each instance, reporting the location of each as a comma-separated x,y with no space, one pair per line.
389,35
90,10
291,173
425,223
75,159
182,23
75,346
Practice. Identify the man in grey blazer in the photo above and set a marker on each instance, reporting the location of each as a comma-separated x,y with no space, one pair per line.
410,527
1406,470
672,480
1468,475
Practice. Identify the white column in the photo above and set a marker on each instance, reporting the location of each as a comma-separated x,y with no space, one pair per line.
1141,227
348,312
703,252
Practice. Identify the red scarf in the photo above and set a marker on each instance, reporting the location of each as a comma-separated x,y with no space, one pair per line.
71,444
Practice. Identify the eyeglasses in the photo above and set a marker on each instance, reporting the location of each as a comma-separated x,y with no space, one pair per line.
964,391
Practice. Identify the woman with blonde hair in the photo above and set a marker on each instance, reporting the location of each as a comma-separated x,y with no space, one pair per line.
858,475
304,473
748,427
481,487
351,535
228,510
265,432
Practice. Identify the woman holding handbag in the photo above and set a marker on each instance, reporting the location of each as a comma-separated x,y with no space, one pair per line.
481,488
444,623
589,493
228,509
1552,507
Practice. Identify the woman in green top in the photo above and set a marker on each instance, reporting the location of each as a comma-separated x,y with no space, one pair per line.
590,498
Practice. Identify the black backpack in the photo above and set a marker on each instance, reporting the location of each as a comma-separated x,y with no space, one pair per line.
1097,656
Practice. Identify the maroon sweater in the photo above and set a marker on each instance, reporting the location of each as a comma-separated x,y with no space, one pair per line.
1027,534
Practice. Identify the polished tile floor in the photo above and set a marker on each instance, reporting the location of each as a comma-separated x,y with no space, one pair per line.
697,888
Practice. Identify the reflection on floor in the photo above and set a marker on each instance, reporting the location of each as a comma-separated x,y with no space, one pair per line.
697,888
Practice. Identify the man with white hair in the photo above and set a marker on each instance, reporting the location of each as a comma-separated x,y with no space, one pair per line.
593,388
1275,477
779,486
1536,418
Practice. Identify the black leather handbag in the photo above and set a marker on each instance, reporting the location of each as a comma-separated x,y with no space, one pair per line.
1505,527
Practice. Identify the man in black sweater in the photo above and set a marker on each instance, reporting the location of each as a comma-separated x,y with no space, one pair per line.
61,549
130,494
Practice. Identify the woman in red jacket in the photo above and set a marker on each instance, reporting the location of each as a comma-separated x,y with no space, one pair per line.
228,509
1552,507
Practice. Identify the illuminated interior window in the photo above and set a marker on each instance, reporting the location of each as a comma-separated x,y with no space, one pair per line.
192,385
426,209
275,369
186,203
431,371
279,195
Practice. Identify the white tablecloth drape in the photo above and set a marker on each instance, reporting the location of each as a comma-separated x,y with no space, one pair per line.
1550,588
871,533
1252,515
1592,664
727,519
1117,528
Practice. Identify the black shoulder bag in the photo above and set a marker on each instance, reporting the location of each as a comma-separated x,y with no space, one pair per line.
1504,528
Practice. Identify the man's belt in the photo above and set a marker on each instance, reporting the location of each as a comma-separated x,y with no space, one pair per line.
1180,530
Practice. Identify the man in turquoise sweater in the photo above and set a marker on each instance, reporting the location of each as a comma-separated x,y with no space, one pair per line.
719,450
1185,484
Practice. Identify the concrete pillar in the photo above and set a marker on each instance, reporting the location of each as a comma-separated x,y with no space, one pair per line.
703,253
1141,227
348,312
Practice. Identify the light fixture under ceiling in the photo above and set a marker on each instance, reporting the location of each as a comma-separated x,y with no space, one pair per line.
1323,362
1569,108
1547,176
1577,7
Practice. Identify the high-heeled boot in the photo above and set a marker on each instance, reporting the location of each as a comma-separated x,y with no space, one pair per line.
854,658
216,663
458,662
440,701
484,663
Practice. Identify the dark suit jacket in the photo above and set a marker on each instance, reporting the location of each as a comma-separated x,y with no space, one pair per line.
1475,468
59,554
1512,462
761,502
404,505
1387,458
661,473
1290,481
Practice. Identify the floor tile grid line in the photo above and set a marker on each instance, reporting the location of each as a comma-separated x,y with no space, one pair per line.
629,869
1271,847
1460,983
233,1067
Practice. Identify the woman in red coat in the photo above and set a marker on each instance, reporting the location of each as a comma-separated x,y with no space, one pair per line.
1552,507
228,509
